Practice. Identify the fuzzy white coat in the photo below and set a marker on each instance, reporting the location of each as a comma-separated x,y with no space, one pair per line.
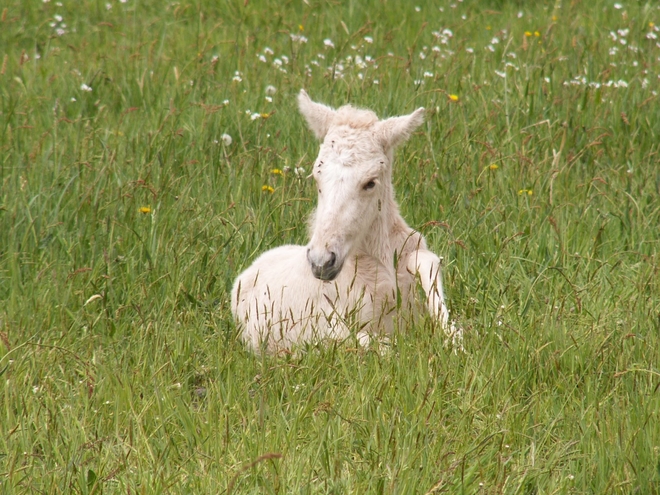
362,261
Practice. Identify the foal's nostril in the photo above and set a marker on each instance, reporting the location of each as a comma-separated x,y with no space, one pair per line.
332,260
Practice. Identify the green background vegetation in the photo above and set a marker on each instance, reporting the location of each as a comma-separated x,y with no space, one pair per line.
121,370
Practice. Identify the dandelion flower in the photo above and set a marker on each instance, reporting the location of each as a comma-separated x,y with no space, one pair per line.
493,166
271,90
267,188
453,97
528,33
145,209
276,171
226,139
537,34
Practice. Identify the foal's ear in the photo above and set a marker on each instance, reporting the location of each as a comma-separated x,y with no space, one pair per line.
396,130
318,116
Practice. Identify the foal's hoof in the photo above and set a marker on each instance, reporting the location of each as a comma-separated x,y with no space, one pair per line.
454,338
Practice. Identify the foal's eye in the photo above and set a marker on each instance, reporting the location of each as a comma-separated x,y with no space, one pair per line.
369,185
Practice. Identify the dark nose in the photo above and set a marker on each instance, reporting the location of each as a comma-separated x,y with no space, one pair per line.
325,268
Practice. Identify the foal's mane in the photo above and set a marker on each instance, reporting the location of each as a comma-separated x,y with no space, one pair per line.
356,118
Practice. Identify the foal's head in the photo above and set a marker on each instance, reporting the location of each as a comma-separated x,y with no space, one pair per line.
353,177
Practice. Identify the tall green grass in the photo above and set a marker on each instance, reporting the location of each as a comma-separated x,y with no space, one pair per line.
125,216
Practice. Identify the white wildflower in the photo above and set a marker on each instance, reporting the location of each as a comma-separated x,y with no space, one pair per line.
501,74
271,90
368,39
469,50
84,87
328,42
296,38
262,58
618,6
226,139
268,51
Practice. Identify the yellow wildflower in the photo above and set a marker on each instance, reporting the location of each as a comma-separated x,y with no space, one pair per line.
145,209
265,115
267,188
537,34
493,166
554,18
453,97
528,33
651,25
529,192
300,27
276,171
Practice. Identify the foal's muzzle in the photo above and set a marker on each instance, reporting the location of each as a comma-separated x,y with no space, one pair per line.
325,265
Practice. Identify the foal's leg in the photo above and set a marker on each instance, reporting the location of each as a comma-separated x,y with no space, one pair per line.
427,266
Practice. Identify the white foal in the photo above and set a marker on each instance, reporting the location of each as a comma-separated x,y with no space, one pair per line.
361,250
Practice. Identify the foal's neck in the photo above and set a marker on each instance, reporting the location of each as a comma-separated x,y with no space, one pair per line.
383,237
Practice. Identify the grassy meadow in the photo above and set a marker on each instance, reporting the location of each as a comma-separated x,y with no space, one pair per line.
150,150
